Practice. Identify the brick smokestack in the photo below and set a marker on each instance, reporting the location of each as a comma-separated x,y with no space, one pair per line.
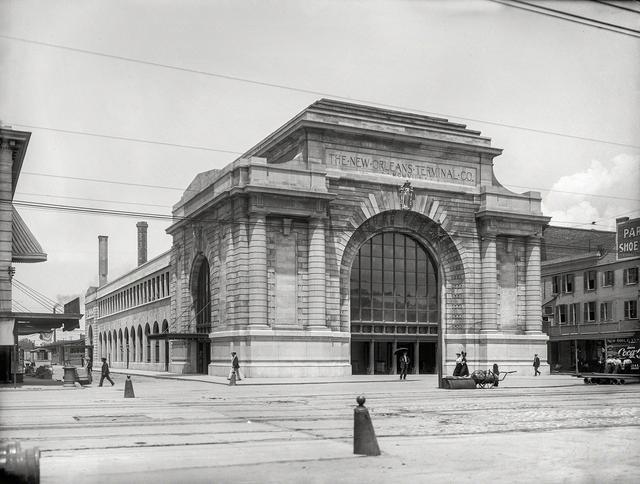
142,242
103,259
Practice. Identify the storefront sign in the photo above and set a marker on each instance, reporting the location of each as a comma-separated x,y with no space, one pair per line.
401,168
628,239
625,349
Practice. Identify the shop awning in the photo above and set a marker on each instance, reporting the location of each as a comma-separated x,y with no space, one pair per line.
30,323
25,246
590,336
163,336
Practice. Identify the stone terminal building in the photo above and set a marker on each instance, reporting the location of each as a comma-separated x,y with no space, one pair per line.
347,234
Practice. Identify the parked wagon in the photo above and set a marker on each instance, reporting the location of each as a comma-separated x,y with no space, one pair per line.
489,378
609,378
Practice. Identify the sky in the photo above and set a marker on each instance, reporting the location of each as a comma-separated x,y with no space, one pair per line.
203,81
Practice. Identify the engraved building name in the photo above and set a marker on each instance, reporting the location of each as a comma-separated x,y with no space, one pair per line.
407,169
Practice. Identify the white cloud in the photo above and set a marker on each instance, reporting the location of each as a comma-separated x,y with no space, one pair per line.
600,193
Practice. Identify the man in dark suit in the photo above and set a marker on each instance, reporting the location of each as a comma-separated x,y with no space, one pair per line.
105,372
536,364
404,365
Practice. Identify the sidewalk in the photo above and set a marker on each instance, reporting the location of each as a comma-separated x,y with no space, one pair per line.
512,381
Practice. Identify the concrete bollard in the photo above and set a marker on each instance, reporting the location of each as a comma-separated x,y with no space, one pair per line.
128,388
232,380
69,377
19,466
364,437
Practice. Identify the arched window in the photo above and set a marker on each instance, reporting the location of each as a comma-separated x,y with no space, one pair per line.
132,335
140,343
121,348
147,342
394,279
203,298
157,343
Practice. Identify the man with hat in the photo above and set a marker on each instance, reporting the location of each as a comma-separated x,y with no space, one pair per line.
536,364
105,372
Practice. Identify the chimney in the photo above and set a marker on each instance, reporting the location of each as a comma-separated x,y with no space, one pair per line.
142,242
103,259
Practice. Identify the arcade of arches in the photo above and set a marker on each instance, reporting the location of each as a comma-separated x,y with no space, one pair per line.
133,345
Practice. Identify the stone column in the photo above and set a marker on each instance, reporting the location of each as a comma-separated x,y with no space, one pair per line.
489,285
372,358
394,364
6,224
317,275
533,299
416,357
258,270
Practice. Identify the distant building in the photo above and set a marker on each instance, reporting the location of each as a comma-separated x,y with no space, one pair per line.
123,315
590,299
18,245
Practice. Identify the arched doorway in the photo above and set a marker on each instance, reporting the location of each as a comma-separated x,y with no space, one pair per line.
165,330
201,292
89,344
394,304
127,345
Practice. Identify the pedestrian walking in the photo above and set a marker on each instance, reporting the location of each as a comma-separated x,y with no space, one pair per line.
105,372
235,366
536,364
404,365
90,369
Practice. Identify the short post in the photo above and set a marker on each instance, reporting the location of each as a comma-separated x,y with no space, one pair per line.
232,380
128,388
364,437
69,376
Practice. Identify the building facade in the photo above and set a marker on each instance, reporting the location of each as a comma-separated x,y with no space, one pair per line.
123,316
18,245
347,234
590,300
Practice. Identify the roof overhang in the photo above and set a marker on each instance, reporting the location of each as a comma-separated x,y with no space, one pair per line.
30,323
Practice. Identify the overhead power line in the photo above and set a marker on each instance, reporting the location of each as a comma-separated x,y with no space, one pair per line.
125,138
618,6
276,225
272,85
44,297
120,202
562,15
163,187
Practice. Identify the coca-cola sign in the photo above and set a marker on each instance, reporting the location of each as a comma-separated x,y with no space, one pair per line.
625,349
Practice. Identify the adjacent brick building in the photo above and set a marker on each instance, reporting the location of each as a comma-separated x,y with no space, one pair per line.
590,298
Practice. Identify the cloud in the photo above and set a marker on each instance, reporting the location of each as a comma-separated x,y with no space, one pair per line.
600,194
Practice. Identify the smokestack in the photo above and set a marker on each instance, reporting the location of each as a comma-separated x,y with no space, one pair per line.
103,259
142,242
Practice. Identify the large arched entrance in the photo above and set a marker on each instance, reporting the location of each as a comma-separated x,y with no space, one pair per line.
201,291
394,304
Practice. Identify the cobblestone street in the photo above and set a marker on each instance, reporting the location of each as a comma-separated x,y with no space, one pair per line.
549,429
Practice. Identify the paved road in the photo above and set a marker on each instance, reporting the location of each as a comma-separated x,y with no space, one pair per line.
549,429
